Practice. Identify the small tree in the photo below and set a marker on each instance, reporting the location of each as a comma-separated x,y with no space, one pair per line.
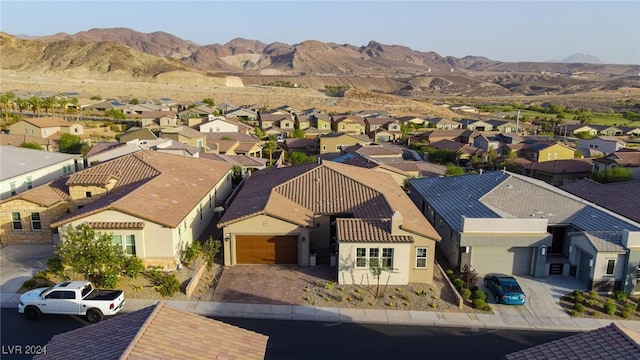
210,250
91,254
70,143
453,170
31,145
208,101
469,277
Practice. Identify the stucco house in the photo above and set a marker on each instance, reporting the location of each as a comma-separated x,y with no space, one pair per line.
507,223
185,135
626,158
351,124
218,125
540,151
45,127
335,142
600,145
332,214
153,203
23,169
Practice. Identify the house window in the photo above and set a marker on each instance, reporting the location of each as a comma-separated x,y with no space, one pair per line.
210,202
66,169
324,126
358,127
13,188
29,183
387,258
374,257
361,257
324,147
611,264
200,211
75,130
421,258
36,224
87,194
16,221
130,245
342,127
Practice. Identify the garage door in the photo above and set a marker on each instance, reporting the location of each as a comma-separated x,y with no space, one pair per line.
266,249
512,260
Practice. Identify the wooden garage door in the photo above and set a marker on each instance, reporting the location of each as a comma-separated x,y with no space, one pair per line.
266,249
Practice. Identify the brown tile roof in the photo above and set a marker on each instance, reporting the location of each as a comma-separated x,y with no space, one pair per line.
51,121
609,342
626,157
116,225
568,166
157,332
349,118
451,145
375,150
148,182
368,230
327,188
380,120
621,198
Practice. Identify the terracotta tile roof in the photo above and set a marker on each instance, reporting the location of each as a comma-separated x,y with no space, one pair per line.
626,157
214,136
375,150
327,188
568,166
147,184
368,230
184,131
349,118
46,195
46,122
116,225
621,198
380,120
609,342
225,145
157,332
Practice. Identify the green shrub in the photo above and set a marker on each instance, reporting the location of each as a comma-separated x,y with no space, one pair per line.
575,313
166,284
458,283
191,252
592,302
621,295
54,265
579,299
480,294
424,293
479,304
579,308
133,266
42,274
210,250
449,273
329,285
609,307
629,307
30,284
486,307
626,314
404,297
593,294
108,280
466,293
339,297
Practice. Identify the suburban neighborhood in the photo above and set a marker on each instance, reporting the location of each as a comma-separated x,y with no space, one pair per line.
365,198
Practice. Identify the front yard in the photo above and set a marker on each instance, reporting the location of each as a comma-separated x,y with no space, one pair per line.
590,304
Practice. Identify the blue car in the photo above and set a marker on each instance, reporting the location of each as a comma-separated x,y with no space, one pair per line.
505,288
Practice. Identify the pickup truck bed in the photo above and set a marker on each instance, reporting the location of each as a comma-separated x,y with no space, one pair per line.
103,294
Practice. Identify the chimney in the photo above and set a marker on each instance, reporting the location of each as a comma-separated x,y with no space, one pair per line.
480,170
396,221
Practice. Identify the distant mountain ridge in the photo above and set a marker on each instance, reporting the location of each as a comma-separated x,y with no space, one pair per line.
392,69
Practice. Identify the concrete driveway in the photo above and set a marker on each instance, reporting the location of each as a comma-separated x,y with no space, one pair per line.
543,296
19,263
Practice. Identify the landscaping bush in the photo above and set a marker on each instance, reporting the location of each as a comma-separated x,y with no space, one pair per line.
609,307
466,293
480,294
592,302
593,294
479,304
579,298
621,295
42,274
191,252
626,314
629,307
54,265
449,273
166,284
579,308
108,280
30,284
210,250
458,283
133,266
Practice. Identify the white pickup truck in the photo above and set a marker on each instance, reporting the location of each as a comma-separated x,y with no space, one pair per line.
71,298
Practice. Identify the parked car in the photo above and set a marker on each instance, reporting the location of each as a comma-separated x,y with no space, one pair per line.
505,288
71,298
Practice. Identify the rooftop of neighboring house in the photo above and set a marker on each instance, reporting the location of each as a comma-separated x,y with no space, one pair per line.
498,194
242,137
18,139
177,145
17,161
380,120
300,143
157,114
275,117
147,182
348,118
568,166
47,122
621,198
242,160
374,150
297,193
341,134
625,157
153,332
609,342
446,144
103,146
184,131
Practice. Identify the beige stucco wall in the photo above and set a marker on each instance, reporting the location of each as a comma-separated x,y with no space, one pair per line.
332,142
349,274
218,126
555,152
27,234
264,225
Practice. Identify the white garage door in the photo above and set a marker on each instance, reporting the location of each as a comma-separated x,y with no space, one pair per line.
512,260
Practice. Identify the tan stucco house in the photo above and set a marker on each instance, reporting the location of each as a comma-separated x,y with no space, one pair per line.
153,203
333,214
334,143
45,127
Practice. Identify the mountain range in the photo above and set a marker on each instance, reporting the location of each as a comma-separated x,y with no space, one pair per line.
395,69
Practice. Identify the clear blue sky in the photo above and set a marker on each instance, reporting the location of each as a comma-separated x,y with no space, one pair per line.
499,30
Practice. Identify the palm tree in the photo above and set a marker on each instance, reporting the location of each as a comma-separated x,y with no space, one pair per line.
8,100
74,101
22,104
49,103
270,146
36,104
63,102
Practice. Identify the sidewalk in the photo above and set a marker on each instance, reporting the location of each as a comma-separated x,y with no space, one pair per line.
500,319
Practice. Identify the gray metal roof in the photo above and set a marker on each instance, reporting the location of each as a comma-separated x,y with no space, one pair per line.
458,196
607,241
16,161
592,219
